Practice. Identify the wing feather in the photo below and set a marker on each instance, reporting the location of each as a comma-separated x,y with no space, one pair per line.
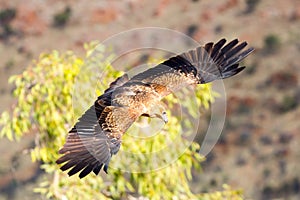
201,65
97,168
88,147
117,83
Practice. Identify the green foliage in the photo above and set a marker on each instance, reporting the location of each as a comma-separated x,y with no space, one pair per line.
288,103
271,43
251,5
45,94
6,16
61,19
227,193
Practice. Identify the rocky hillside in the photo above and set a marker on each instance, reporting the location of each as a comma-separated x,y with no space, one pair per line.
259,147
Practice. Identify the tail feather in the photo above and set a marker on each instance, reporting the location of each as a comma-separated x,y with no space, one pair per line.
216,61
229,46
217,48
240,57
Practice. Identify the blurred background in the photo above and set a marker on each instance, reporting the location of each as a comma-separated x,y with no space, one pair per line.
259,149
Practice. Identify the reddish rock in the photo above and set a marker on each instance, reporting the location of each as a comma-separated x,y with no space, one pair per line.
296,14
207,15
29,21
200,34
161,7
104,15
283,80
228,5
240,104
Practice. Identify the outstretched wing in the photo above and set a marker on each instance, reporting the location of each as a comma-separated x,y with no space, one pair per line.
94,138
201,65
87,147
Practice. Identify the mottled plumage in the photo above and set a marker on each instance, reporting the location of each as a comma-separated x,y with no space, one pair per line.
97,134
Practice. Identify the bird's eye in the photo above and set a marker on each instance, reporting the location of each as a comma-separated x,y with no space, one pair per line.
164,112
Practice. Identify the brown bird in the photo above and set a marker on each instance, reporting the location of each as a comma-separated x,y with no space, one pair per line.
97,134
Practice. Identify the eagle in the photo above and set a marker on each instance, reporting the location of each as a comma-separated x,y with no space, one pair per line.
96,137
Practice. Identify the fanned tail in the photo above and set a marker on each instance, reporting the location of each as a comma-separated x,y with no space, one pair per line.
216,61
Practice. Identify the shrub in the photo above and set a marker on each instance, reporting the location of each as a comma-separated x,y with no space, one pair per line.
6,16
288,103
271,44
251,5
62,18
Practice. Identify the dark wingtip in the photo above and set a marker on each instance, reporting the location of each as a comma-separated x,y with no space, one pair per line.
86,170
82,175
105,168
97,169
250,50
70,174
235,40
222,41
238,70
58,161
62,151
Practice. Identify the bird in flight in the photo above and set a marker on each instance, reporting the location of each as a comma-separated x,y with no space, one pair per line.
97,134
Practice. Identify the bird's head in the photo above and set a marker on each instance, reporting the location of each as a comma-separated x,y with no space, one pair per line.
163,115
157,111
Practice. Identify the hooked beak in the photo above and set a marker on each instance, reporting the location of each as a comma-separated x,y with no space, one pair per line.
164,117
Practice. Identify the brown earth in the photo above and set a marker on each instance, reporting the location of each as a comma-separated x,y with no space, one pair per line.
259,148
